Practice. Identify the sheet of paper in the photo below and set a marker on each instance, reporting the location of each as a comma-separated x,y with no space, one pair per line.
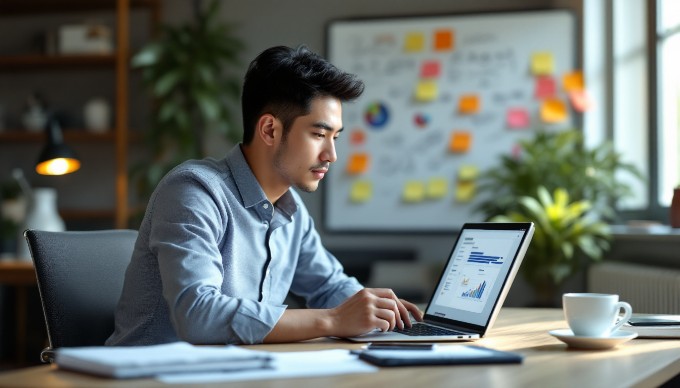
286,365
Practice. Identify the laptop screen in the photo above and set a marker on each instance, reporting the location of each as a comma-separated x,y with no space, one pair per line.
476,273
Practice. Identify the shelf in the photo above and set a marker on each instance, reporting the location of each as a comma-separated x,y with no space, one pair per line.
39,61
33,7
70,135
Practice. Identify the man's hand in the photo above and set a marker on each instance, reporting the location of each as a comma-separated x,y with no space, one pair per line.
369,309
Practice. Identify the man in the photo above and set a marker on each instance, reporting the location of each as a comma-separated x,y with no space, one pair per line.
224,241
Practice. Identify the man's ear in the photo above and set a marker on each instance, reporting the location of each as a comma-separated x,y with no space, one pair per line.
268,129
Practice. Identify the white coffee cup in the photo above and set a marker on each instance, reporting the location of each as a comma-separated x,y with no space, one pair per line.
594,315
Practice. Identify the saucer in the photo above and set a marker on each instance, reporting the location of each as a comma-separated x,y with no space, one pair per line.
581,342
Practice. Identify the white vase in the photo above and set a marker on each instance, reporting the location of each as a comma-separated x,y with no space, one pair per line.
42,215
97,115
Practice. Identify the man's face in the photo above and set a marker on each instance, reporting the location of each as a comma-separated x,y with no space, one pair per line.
304,156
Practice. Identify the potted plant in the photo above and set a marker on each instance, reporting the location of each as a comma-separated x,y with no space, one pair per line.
569,192
189,71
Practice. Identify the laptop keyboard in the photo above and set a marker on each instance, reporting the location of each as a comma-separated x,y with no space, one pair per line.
419,329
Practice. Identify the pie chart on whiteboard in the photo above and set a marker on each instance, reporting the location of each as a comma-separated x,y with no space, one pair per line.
377,115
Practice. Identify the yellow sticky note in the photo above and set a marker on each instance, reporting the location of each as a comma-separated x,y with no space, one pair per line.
469,104
465,191
573,81
414,191
414,42
361,191
437,188
426,90
468,173
357,163
553,110
443,40
542,63
460,141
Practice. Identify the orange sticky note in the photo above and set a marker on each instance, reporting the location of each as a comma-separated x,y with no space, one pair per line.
426,90
553,110
573,81
542,63
517,118
430,69
414,42
580,100
443,40
544,87
361,191
460,141
414,191
357,164
469,104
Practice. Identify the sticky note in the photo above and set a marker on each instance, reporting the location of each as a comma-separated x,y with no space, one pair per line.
553,110
430,69
460,141
517,118
443,40
357,137
426,90
437,188
414,191
544,87
542,63
361,191
580,100
357,163
468,173
465,191
414,42
468,104
573,81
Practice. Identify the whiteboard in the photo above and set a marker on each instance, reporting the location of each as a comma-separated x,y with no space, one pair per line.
445,96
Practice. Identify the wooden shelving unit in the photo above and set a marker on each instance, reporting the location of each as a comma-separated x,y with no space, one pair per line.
119,137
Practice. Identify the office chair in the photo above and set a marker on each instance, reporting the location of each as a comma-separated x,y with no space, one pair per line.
80,279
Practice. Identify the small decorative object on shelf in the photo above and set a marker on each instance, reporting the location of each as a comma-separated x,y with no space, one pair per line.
34,118
97,115
675,208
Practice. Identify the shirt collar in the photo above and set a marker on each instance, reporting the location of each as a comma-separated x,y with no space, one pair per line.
249,188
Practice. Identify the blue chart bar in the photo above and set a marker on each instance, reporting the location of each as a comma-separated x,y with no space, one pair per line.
475,293
480,258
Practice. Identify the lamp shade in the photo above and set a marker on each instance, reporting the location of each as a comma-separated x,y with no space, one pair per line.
56,158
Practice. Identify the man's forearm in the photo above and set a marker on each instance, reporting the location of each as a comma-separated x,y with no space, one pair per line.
301,324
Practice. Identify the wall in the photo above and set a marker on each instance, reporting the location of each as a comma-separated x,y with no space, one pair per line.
265,23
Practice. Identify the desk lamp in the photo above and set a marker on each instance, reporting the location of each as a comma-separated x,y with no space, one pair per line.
56,158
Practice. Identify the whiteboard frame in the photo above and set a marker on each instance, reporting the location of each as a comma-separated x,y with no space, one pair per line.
327,186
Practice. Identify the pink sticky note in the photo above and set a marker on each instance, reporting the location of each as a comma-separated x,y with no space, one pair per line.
430,69
580,100
545,87
517,118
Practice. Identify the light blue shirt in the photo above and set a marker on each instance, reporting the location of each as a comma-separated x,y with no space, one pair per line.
214,260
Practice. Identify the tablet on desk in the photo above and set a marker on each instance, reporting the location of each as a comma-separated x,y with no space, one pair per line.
654,325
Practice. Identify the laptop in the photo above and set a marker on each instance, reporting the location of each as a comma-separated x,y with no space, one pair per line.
472,287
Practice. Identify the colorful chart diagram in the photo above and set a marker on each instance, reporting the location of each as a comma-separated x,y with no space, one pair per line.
421,120
475,293
377,115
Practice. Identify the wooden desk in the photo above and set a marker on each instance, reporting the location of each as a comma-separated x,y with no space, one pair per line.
547,363
21,275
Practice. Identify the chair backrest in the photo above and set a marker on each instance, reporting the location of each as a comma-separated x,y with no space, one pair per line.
80,279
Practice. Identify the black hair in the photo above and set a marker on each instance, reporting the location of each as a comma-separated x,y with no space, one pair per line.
283,81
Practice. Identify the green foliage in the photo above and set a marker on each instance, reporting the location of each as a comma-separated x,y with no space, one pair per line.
187,74
557,159
565,232
570,224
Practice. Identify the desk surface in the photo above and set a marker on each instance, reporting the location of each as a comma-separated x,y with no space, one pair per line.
548,362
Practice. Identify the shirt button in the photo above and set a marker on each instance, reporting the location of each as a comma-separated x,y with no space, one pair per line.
266,206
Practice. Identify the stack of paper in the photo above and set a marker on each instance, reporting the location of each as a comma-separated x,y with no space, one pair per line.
144,361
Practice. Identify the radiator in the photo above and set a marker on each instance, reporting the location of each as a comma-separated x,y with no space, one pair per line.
648,289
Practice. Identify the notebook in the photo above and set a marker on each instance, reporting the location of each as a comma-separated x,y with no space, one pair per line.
472,287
